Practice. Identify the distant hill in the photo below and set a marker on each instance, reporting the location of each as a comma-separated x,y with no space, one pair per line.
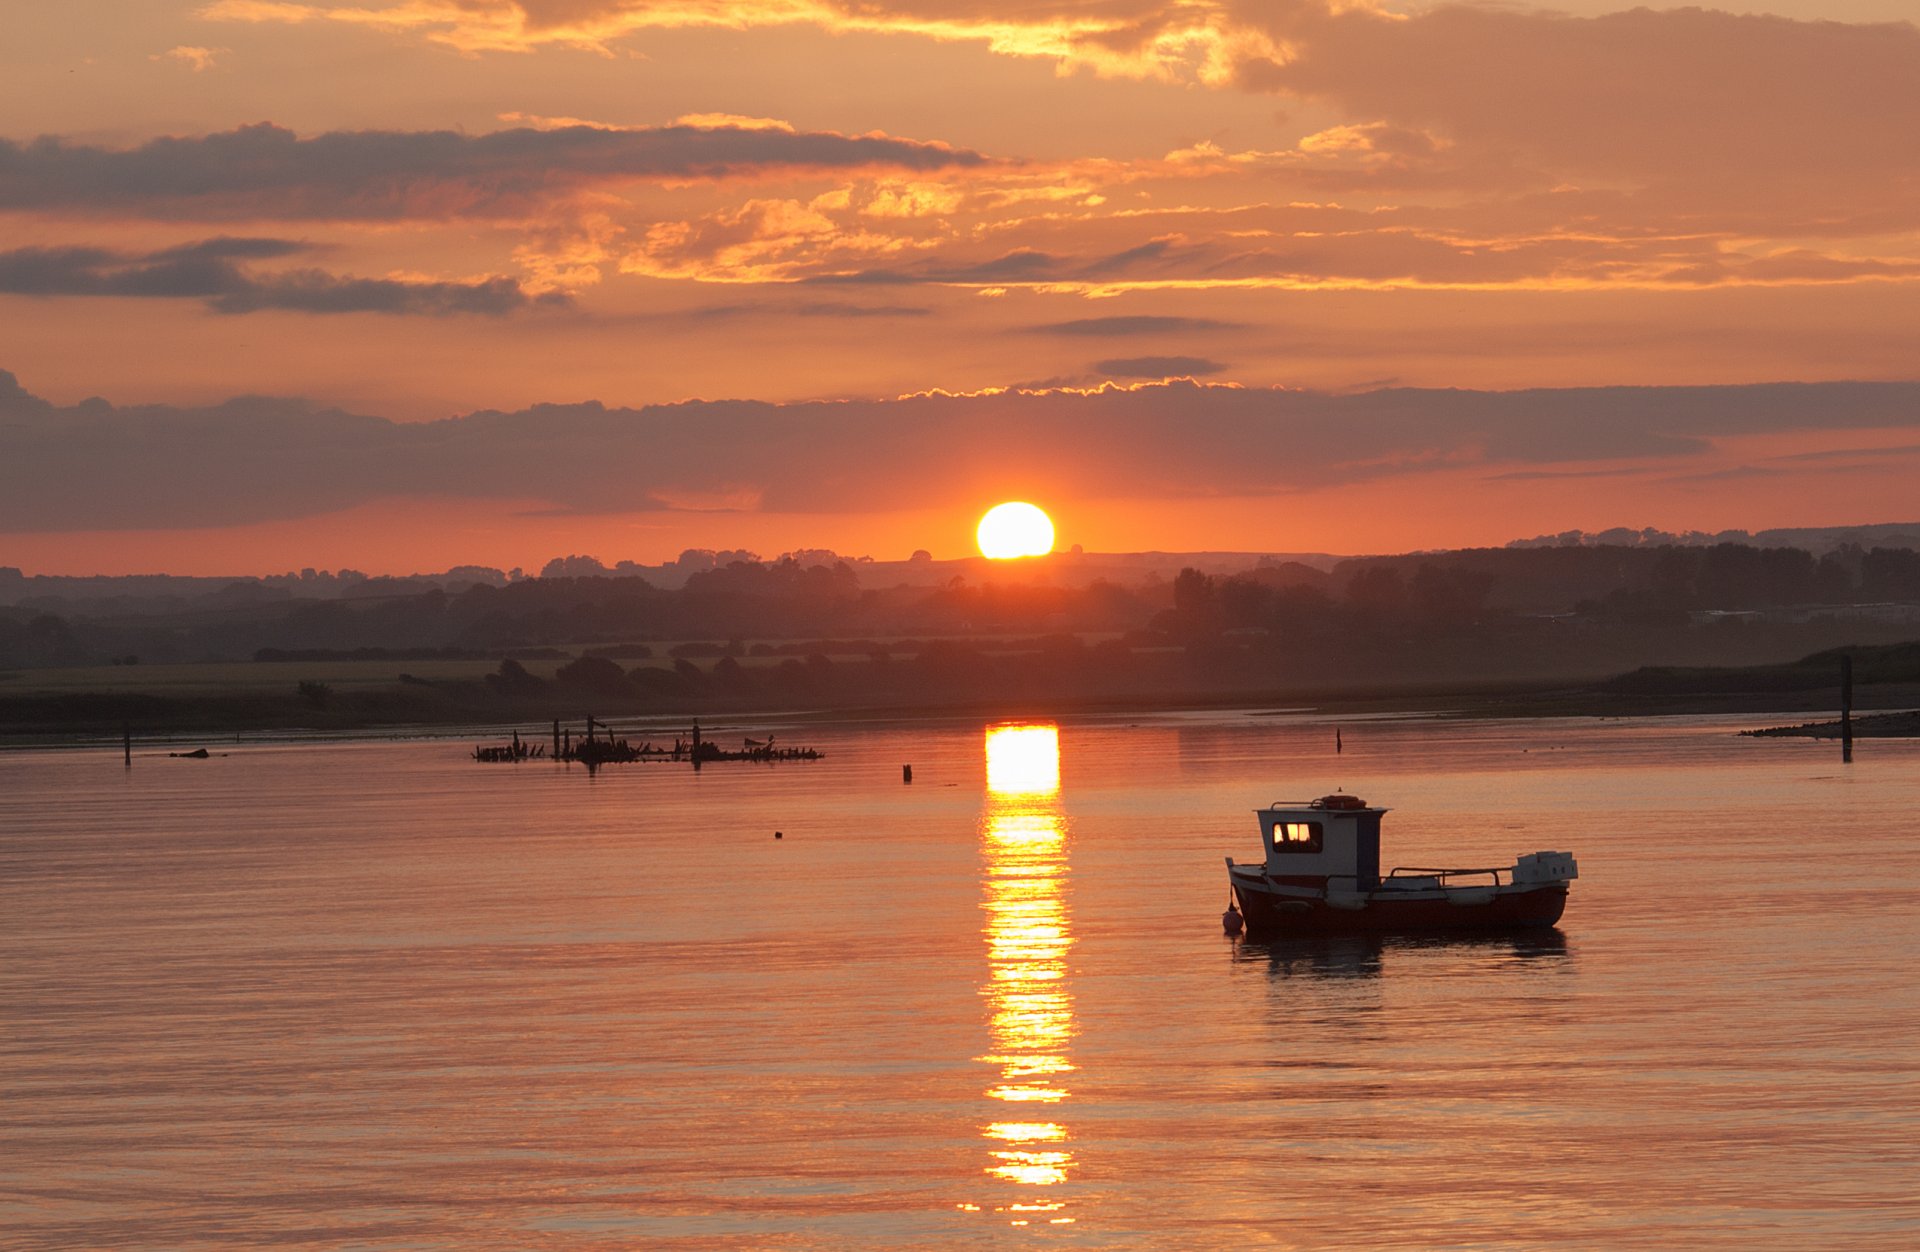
1818,540
1886,663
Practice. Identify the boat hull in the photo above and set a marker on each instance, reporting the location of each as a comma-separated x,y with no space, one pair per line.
1271,912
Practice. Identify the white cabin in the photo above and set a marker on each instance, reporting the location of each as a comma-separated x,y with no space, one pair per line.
1335,839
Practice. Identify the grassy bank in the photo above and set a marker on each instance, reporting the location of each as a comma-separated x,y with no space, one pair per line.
52,706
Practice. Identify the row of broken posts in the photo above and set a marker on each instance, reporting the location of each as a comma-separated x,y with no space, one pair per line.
600,746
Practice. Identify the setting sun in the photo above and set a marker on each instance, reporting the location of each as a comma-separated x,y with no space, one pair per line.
1015,529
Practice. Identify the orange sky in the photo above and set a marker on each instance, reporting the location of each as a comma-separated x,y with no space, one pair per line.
1337,219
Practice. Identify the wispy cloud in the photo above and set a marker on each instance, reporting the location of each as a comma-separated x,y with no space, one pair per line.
1141,38
1157,367
218,272
192,56
1130,325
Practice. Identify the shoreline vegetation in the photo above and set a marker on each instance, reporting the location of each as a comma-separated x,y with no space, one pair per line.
1566,631
1903,725
54,708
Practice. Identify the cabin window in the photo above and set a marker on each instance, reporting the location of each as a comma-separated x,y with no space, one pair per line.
1296,836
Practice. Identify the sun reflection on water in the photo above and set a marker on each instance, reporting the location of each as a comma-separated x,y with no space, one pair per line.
1027,930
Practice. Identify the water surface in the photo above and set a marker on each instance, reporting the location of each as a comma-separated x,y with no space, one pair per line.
374,995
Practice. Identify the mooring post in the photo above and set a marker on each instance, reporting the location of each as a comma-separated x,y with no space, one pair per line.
1846,709
126,742
556,738
906,773
1338,747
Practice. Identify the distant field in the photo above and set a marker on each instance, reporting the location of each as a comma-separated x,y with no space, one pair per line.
239,677
242,677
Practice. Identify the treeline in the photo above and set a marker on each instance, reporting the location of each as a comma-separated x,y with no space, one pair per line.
1598,585
1491,600
782,600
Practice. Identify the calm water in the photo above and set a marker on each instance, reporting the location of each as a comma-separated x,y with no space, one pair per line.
377,996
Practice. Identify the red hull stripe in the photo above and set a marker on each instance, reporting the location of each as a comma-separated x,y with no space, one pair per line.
1268,914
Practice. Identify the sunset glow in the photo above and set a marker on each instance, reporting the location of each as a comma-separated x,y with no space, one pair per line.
778,277
1013,530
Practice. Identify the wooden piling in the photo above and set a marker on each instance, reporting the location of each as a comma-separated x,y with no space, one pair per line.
126,742
556,738
906,773
1846,709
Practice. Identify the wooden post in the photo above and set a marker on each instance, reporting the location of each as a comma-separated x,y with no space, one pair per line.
126,741
906,773
1338,747
1846,709
556,738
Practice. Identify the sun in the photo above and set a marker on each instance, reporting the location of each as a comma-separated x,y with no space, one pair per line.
1015,529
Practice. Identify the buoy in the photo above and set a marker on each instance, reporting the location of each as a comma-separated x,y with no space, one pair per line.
1231,921
777,835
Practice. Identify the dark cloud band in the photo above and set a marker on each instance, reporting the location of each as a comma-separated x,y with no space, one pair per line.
266,171
215,271
93,466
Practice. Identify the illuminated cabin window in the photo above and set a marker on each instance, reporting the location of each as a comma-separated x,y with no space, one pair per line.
1296,837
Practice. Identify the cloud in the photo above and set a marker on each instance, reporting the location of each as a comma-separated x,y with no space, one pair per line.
1139,324
267,172
94,466
194,58
1688,110
1160,367
1141,38
822,309
1688,104
1849,454
1524,476
215,272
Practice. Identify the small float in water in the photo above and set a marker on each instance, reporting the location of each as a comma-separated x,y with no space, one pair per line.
1321,876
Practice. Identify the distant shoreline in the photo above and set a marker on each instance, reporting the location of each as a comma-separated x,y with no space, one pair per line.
1904,725
99,718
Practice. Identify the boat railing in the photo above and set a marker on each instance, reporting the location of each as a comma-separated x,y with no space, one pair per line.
1415,871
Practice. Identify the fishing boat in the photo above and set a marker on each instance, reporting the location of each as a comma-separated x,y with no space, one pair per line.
1321,875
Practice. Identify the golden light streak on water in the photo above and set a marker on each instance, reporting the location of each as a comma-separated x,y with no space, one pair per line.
1025,761
1029,1132
1028,936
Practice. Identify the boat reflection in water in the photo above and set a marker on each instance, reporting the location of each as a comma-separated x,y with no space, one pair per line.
1339,957
1023,838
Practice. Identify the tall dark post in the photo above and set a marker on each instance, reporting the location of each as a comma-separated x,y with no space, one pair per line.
1338,747
126,742
556,738
1846,709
